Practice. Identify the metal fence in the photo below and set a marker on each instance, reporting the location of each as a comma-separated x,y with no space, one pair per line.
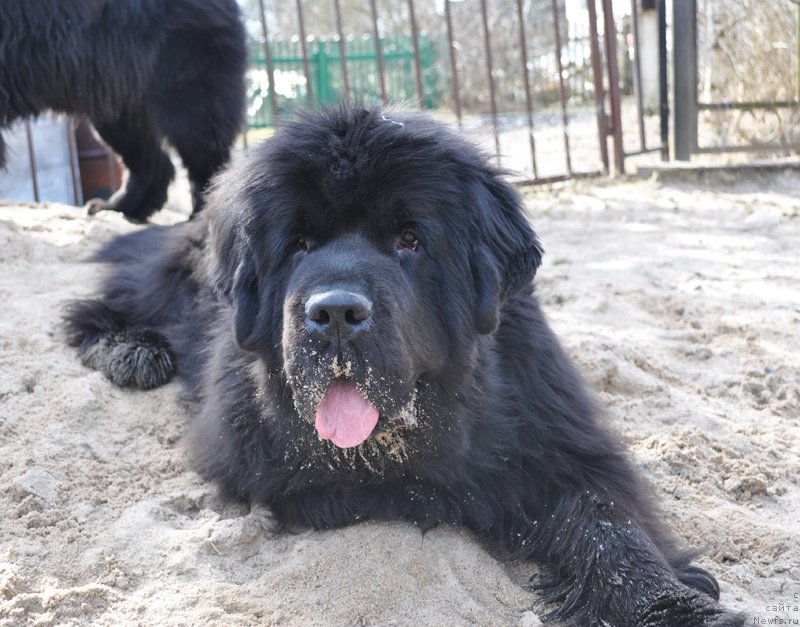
535,81
736,89
43,162
555,89
545,84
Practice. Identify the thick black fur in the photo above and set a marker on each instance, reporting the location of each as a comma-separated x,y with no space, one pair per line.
484,422
140,70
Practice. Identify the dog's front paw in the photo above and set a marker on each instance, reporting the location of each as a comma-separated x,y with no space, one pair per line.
131,358
687,608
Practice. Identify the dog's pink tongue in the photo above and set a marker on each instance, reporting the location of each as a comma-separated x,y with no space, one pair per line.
344,416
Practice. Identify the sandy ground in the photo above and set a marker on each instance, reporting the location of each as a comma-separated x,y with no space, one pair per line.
681,306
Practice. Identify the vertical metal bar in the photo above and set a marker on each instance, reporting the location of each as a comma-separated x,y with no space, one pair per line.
378,50
599,90
637,73
562,94
304,48
342,50
488,43
273,101
523,50
663,96
797,55
684,32
613,85
453,67
77,194
417,63
32,160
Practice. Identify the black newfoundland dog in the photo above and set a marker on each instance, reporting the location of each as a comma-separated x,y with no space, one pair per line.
140,70
355,317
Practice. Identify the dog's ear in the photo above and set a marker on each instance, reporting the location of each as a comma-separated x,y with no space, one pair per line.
508,252
235,274
246,299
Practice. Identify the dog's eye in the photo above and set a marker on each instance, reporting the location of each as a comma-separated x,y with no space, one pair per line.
407,240
301,243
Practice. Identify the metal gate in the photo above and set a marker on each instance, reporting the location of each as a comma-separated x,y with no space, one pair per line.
765,118
536,82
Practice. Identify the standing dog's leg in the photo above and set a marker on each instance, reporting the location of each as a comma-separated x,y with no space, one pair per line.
134,137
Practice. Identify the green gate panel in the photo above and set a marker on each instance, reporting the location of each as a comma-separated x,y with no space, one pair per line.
326,74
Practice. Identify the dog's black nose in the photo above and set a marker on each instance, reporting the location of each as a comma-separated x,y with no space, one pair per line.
338,313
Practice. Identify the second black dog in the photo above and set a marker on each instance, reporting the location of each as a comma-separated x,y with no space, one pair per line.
139,71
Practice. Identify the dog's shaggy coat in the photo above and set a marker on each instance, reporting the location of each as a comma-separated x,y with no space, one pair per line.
378,252
140,70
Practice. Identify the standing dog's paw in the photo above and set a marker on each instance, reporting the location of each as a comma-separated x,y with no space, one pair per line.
131,358
95,205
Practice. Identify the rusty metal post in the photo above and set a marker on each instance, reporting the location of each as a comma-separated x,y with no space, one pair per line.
417,62
306,65
378,51
273,101
613,86
342,50
637,74
562,94
77,194
488,43
453,67
32,160
523,50
599,90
